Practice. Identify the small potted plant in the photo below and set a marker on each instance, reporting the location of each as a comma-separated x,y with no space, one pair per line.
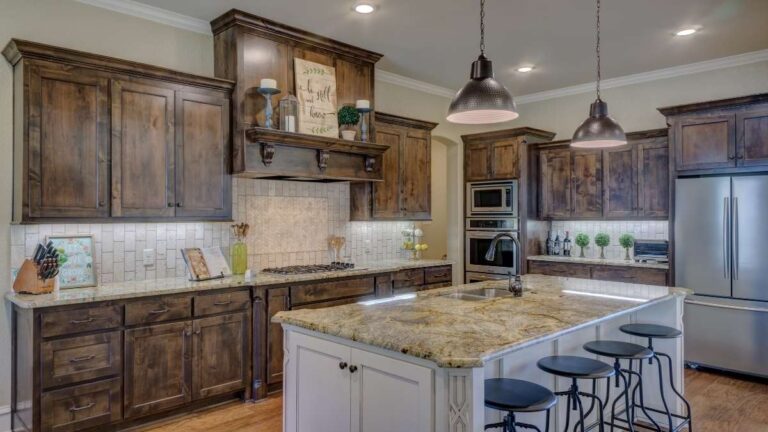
602,240
348,119
582,241
626,241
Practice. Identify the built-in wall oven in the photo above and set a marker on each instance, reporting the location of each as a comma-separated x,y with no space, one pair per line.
492,198
479,233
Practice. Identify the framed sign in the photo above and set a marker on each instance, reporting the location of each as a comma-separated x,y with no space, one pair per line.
316,91
77,268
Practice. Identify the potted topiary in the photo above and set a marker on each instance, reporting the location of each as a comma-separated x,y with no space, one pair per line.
582,241
348,119
602,240
626,241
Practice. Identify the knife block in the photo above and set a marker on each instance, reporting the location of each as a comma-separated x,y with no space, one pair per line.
27,281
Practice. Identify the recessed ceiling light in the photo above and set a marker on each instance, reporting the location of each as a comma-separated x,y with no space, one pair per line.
525,69
686,32
364,8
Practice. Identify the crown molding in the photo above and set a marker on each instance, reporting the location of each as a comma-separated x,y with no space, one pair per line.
152,13
413,84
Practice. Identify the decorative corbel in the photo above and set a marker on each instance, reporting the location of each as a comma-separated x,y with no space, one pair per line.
322,159
370,162
267,153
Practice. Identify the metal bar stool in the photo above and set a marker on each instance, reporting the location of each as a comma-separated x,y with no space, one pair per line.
652,331
619,350
516,396
577,368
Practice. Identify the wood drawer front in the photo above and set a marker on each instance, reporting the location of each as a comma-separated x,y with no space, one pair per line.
87,319
222,302
332,290
408,278
81,407
435,285
559,269
438,274
80,358
158,310
630,274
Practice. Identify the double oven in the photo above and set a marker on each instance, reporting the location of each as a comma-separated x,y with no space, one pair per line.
491,209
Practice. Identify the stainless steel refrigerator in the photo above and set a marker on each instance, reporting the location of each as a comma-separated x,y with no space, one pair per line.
721,239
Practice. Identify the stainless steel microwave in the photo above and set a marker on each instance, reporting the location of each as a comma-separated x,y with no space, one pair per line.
498,198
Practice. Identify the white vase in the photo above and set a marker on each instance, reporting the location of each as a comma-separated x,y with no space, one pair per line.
349,134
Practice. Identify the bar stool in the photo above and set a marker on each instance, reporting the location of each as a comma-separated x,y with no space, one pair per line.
516,396
652,331
577,368
619,350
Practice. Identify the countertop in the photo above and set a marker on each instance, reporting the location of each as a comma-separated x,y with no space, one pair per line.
146,288
465,334
598,261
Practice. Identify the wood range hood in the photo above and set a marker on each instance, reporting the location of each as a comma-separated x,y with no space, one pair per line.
248,48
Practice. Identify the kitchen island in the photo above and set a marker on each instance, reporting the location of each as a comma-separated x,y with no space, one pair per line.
418,362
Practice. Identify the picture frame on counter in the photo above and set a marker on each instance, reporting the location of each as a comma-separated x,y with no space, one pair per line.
77,265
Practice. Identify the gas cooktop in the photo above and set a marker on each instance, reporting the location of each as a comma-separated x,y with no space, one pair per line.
314,268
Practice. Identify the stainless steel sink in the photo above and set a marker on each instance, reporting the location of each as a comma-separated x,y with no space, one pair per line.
479,294
464,296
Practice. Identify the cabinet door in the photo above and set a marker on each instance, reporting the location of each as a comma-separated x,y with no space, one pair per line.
221,354
555,194
386,194
477,161
587,193
158,368
705,142
277,301
142,149
653,179
620,194
505,159
67,173
203,185
752,128
317,390
382,386
415,177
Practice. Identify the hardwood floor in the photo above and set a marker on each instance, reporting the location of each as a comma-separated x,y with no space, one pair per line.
720,404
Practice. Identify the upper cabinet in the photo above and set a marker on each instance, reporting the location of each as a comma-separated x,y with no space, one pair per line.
497,155
97,137
627,182
405,192
722,136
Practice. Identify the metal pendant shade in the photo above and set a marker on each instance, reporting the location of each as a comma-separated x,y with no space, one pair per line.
599,130
482,100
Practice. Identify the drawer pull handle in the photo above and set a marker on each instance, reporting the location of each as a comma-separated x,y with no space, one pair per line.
159,311
84,407
83,321
82,359
222,303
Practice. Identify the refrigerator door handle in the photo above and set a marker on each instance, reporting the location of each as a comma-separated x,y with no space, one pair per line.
725,238
736,238
726,306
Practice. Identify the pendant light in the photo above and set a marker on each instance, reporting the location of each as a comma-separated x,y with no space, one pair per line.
599,130
482,100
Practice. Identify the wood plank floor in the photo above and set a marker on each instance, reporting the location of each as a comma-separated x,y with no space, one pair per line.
720,404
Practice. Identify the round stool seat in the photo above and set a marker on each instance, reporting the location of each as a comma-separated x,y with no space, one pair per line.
505,394
618,349
576,367
651,331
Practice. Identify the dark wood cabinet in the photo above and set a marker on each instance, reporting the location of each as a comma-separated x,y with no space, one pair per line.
555,190
587,183
477,161
82,407
220,345
653,178
752,138
629,274
497,155
620,184
405,193
277,300
706,142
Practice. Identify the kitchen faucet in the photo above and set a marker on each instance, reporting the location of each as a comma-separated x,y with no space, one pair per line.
515,287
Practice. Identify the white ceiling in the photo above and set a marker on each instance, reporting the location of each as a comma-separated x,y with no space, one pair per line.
435,41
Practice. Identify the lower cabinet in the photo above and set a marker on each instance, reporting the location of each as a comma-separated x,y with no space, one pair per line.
340,387
638,275
81,407
220,360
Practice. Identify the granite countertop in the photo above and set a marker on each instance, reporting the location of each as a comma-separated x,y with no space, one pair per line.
146,288
598,261
457,333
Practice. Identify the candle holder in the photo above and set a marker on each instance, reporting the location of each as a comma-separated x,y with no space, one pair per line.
364,123
268,93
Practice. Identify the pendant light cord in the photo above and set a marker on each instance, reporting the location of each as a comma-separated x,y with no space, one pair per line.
482,27
597,50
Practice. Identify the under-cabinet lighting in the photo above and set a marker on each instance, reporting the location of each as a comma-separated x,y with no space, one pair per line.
387,300
608,296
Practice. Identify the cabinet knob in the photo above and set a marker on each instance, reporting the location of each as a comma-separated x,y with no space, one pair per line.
342,365
101,204
179,204
731,157
170,204
353,369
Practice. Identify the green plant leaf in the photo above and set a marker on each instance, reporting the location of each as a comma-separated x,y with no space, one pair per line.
602,239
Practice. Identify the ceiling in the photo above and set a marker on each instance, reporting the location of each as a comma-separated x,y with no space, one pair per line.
435,41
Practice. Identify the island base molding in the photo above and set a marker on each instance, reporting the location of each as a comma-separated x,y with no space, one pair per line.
336,384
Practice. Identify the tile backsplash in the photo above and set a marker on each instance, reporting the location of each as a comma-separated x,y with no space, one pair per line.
647,230
290,224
